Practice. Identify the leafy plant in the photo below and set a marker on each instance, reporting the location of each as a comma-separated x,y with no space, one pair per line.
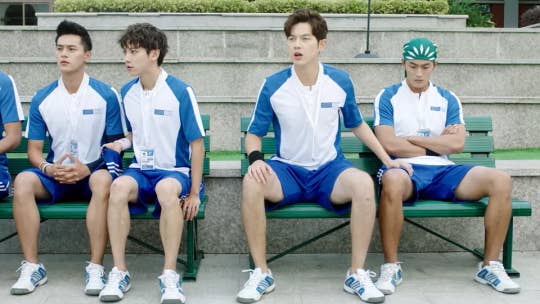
479,14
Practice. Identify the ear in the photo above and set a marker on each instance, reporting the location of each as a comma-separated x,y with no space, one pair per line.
435,64
87,56
154,54
322,44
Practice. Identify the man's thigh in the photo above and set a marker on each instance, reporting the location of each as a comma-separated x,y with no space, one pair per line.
284,185
444,183
172,181
475,183
55,191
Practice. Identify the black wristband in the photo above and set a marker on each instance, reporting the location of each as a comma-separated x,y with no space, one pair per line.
255,156
93,165
431,153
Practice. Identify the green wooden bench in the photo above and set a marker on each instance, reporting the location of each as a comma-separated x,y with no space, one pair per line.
18,161
477,151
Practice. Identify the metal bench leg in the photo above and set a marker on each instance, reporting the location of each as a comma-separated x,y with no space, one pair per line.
193,255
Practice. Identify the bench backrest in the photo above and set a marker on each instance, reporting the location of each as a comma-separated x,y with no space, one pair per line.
477,151
18,159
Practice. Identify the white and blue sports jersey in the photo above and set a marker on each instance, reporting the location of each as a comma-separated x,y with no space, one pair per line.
10,108
86,119
306,120
408,113
165,119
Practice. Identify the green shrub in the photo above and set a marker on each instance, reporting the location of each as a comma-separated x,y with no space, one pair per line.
255,6
479,14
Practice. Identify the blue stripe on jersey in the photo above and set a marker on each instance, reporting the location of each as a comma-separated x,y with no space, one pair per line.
36,129
189,127
383,111
351,115
263,113
123,92
113,125
453,113
9,109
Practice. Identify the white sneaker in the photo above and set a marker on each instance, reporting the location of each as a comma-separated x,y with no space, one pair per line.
360,284
390,277
94,276
32,275
170,286
495,276
258,284
118,283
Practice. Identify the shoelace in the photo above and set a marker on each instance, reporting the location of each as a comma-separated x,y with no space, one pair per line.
26,269
366,279
94,270
114,279
254,278
387,272
169,281
498,269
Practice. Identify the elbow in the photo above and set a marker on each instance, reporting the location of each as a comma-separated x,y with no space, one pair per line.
13,143
390,149
457,148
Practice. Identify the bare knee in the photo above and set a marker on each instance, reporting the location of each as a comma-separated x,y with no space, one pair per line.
120,191
394,187
167,192
251,188
100,183
24,185
500,185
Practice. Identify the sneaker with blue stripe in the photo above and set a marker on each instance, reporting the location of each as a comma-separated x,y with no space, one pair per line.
360,284
32,276
495,276
94,276
118,283
390,277
258,284
170,286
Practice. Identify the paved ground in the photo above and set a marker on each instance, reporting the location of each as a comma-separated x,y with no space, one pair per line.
429,278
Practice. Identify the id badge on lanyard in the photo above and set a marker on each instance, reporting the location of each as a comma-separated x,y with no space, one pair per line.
147,159
74,148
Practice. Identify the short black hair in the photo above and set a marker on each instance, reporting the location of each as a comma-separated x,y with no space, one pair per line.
319,29
71,28
146,36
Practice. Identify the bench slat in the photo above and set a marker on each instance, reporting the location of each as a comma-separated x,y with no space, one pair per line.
422,208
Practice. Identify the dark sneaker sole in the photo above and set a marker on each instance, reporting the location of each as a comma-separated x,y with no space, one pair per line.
172,301
110,298
92,292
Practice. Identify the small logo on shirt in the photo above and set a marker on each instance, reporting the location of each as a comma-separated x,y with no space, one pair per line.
162,112
327,105
92,111
433,108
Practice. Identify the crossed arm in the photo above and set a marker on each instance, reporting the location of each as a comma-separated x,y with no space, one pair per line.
451,140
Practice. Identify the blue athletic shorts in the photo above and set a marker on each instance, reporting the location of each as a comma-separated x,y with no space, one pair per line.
5,183
147,181
299,184
62,192
434,182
